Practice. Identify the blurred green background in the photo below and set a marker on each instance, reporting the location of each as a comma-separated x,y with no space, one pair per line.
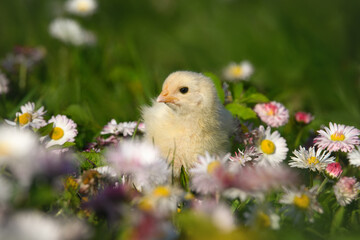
306,54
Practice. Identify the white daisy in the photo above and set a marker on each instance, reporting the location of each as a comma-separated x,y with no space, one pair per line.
204,172
247,155
81,7
69,31
272,146
29,117
128,128
4,82
354,157
346,190
111,128
64,130
338,137
301,201
311,159
238,71
273,113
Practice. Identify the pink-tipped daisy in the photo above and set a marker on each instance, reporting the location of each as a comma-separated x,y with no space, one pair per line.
111,127
354,157
338,137
272,146
333,170
64,130
346,190
273,113
303,117
311,159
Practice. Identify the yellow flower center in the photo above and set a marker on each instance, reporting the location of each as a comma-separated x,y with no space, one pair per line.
267,146
56,133
212,166
302,202
236,71
312,161
337,137
25,118
4,149
83,6
161,191
145,204
263,220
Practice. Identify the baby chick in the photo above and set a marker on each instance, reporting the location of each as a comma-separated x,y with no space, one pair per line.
188,119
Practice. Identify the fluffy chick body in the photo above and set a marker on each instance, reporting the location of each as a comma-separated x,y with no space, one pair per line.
187,120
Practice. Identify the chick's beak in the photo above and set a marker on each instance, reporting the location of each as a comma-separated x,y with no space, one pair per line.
165,97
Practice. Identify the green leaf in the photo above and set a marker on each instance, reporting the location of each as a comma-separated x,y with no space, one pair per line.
90,160
46,130
68,144
254,98
337,219
241,111
184,179
218,85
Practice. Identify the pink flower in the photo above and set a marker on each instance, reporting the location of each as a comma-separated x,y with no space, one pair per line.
338,137
303,117
273,113
346,190
333,170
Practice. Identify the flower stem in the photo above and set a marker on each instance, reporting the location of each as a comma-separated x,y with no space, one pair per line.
298,137
322,185
311,181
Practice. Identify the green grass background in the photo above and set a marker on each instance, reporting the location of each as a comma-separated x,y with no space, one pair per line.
306,54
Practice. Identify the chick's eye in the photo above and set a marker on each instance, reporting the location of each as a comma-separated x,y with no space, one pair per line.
184,90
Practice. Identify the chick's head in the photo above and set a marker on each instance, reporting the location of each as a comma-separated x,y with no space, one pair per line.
188,92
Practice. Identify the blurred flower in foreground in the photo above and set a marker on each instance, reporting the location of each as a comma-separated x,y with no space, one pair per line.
33,225
69,31
64,130
21,56
28,117
140,162
238,71
273,113
301,201
333,170
261,217
81,7
272,146
303,117
161,200
346,190
311,159
18,151
4,82
338,137
5,192
354,157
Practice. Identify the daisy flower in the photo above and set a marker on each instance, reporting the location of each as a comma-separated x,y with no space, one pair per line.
69,31
303,117
204,172
29,117
338,137
238,71
346,190
128,128
272,146
111,128
64,130
301,201
333,170
354,157
311,159
261,217
4,82
249,154
141,162
273,113
161,200
81,7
